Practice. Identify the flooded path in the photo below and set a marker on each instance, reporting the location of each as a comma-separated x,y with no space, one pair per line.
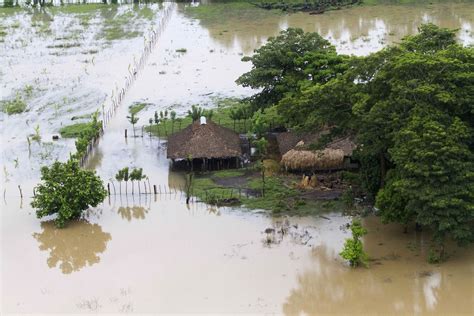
145,254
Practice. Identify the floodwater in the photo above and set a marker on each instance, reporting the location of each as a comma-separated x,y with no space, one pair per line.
147,254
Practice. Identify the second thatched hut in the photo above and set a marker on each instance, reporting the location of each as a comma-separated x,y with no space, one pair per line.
335,156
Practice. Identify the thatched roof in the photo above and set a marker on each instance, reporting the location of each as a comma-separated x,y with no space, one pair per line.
204,141
331,157
345,144
313,160
288,140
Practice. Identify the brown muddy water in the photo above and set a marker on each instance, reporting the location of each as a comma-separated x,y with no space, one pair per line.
145,254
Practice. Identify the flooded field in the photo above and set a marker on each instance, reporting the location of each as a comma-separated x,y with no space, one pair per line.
146,254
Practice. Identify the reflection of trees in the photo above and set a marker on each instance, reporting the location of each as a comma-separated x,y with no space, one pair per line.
176,180
73,247
400,281
247,31
136,212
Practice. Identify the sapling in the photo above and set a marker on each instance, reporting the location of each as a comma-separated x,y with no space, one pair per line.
133,120
353,250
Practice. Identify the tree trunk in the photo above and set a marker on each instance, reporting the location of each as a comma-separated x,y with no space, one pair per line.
383,170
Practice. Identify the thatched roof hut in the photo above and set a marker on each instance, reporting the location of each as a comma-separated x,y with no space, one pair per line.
204,141
330,158
288,140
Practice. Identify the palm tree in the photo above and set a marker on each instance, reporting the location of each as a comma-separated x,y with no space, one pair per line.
126,177
133,120
234,115
173,119
195,113
119,178
137,175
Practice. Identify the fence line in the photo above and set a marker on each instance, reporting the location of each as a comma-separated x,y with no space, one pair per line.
118,94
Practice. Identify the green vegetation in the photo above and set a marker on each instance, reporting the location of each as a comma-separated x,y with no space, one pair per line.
162,126
353,250
220,13
87,135
136,107
74,130
67,190
408,106
317,6
281,194
181,50
15,106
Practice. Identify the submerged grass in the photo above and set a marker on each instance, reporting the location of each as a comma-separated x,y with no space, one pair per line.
15,106
74,130
136,107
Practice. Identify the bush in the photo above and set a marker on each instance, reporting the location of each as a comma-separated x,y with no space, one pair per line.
353,249
15,106
67,190
74,130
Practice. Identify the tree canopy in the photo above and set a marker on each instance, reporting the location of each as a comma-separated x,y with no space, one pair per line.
67,190
410,108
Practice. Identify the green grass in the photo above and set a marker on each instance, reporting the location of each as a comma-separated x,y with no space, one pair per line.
281,196
228,173
74,130
136,107
15,106
221,116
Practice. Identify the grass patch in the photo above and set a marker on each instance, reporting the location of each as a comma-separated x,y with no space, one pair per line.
74,130
228,173
281,195
136,107
15,106
221,116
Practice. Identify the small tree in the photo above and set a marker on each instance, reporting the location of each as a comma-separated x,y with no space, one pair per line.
353,249
119,178
67,190
126,177
261,146
173,119
195,113
234,115
133,120
137,175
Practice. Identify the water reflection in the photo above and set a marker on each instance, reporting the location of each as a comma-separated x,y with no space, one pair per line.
359,30
74,247
135,212
399,279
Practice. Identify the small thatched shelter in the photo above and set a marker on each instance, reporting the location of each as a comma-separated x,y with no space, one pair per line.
206,145
288,140
335,156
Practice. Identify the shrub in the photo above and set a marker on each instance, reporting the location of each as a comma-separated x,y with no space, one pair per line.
353,249
15,106
67,190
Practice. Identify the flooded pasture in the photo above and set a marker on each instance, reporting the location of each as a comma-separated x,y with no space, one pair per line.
149,254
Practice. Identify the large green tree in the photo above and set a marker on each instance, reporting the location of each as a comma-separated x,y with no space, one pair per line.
433,181
280,65
410,108
67,190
